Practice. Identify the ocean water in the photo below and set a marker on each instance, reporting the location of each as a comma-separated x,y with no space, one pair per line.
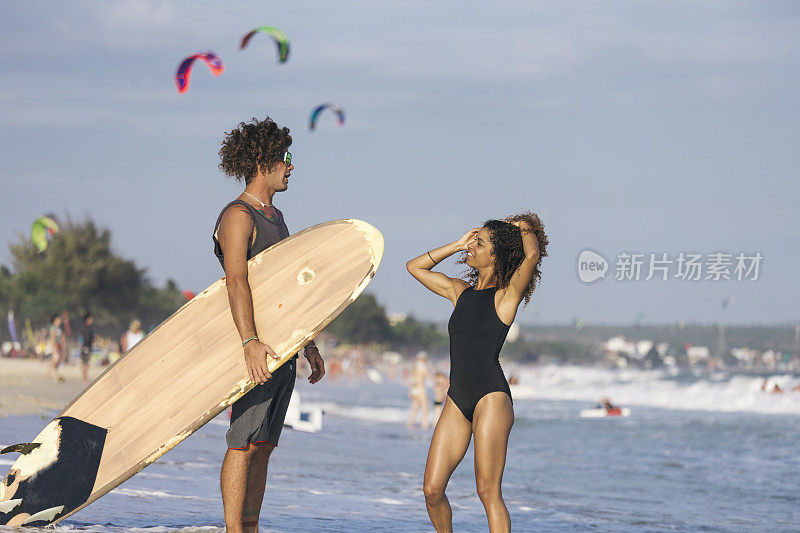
696,454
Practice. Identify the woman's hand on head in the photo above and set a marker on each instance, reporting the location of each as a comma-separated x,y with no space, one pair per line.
467,238
521,224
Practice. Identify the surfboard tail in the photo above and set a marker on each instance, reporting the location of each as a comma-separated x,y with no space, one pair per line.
54,475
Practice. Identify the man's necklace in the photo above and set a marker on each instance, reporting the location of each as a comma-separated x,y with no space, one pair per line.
273,216
263,205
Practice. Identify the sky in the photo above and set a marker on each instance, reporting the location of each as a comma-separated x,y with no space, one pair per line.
628,127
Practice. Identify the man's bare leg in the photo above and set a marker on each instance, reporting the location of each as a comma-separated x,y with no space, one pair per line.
235,481
256,483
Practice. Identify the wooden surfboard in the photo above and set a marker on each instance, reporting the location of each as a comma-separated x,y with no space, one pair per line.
185,372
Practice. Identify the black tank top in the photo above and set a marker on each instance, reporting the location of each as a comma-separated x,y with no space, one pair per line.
268,231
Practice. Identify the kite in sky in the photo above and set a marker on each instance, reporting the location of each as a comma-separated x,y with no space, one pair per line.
281,41
43,230
312,122
184,72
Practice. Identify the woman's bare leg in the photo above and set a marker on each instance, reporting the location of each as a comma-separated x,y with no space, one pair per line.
448,446
491,425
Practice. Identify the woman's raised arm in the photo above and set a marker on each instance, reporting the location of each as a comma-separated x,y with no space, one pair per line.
522,276
420,267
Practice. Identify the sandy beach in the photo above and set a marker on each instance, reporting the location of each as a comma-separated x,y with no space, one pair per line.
26,389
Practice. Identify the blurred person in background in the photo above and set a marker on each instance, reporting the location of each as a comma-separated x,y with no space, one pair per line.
56,345
134,334
418,393
440,385
87,341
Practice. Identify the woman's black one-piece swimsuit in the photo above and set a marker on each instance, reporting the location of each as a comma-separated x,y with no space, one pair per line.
476,336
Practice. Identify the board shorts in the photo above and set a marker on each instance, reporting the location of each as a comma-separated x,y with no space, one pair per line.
86,353
257,417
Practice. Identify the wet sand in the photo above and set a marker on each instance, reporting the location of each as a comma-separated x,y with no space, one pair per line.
26,389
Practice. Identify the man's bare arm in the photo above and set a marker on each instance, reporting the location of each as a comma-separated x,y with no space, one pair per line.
235,230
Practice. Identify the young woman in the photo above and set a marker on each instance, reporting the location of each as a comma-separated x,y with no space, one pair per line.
418,393
503,258
56,344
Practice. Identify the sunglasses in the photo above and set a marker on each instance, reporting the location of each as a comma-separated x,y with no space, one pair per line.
287,158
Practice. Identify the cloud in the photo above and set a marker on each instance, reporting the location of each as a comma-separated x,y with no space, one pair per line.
47,115
121,15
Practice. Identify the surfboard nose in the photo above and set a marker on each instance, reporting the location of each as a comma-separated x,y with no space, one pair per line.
373,237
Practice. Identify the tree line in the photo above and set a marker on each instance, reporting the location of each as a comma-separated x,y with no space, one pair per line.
79,271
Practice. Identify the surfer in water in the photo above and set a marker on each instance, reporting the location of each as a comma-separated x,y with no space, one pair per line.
503,259
255,153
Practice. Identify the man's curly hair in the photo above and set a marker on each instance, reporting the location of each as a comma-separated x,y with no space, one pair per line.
509,252
253,146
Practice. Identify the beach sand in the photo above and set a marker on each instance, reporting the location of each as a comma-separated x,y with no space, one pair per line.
26,389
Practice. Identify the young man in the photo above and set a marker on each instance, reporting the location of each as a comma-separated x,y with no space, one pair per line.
257,154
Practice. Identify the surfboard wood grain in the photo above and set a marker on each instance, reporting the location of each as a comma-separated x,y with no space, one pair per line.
190,368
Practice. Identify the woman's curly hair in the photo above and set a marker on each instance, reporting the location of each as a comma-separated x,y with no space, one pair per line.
253,146
509,252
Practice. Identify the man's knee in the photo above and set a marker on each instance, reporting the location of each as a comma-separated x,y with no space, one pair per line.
257,452
263,450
